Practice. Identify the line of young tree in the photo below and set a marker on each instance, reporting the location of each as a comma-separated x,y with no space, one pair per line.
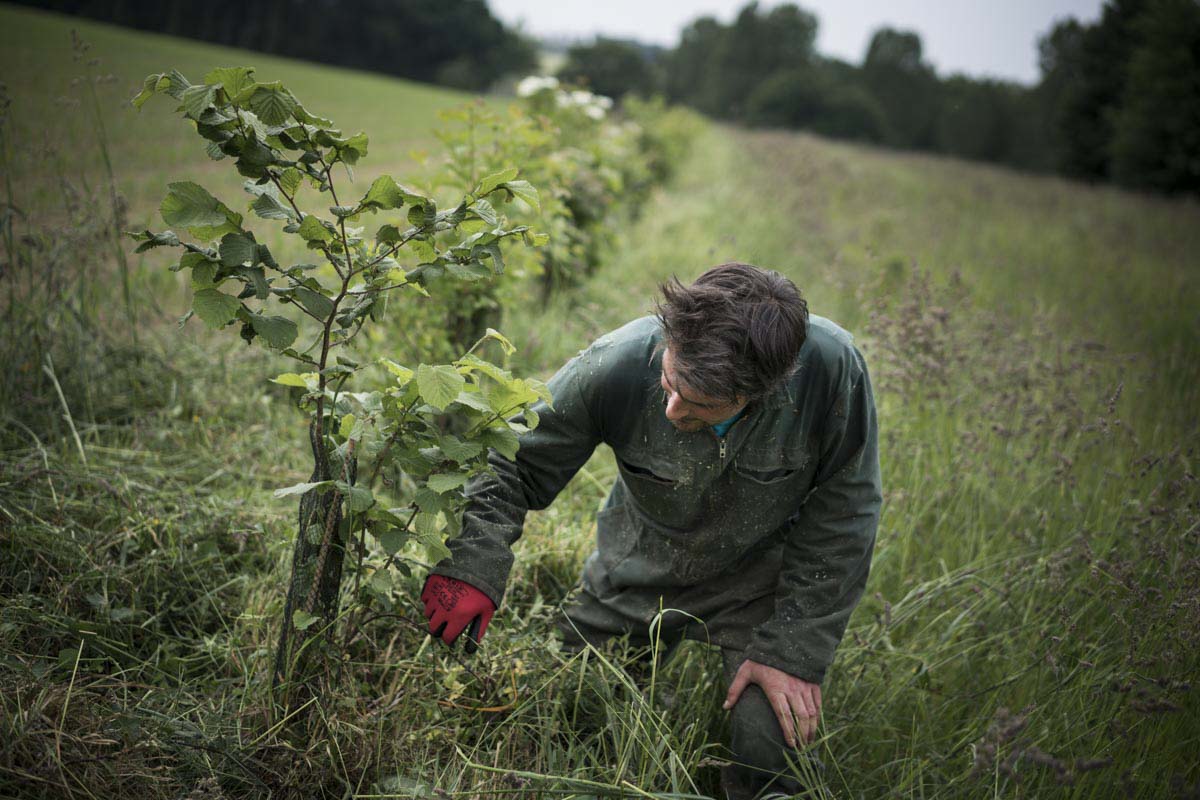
1118,99
452,42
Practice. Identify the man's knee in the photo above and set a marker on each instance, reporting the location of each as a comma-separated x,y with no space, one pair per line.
763,763
756,738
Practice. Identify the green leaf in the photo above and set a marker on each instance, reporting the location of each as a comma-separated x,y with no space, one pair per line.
290,180
474,225
346,426
149,240
508,347
393,540
294,379
210,232
253,159
386,194
353,148
388,234
422,214
446,481
473,400
257,278
492,182
429,500
381,582
188,204
458,450
272,103
426,528
471,271
237,249
502,440
197,99
279,332
312,230
204,275
264,257
493,250
525,191
403,374
473,363
358,498
485,211
302,620
423,250
192,259
541,390
215,307
302,488
508,397
303,115
268,206
152,85
232,79
317,304
440,385
176,84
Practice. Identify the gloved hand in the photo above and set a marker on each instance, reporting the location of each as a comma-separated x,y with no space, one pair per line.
451,605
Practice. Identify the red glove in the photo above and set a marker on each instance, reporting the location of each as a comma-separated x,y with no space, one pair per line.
451,605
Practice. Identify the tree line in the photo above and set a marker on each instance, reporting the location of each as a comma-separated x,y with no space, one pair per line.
452,42
1118,99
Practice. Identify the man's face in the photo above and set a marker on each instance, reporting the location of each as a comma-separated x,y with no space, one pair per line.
687,410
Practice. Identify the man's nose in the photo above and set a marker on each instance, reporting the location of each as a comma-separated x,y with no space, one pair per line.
675,406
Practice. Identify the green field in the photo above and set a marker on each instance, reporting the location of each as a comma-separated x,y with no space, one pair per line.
1032,622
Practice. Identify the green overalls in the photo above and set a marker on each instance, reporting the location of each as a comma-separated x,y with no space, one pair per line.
765,535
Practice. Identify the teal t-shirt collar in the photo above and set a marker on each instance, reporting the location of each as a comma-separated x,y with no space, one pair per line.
722,428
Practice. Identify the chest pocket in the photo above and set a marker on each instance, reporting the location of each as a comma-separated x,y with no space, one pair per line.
648,469
770,467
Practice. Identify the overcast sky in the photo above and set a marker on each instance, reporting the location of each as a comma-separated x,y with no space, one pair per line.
996,38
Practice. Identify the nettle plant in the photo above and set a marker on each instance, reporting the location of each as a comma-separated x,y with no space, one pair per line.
424,433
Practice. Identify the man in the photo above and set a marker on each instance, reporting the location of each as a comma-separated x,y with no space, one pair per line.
748,496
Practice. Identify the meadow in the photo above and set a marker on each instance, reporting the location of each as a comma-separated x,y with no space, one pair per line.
1032,621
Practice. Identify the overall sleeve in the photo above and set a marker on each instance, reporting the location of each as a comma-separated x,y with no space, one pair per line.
548,457
827,550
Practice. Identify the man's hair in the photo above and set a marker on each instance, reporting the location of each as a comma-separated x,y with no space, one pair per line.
735,332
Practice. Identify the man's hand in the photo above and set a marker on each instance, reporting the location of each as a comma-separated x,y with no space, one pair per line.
451,605
797,703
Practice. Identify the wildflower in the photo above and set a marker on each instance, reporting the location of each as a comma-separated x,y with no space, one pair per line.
533,84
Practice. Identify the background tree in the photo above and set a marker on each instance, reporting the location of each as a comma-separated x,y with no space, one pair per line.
1060,59
454,42
1094,76
757,46
613,67
1156,130
815,99
904,85
977,119
691,66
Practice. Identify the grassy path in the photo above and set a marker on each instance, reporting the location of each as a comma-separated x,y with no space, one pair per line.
1031,619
